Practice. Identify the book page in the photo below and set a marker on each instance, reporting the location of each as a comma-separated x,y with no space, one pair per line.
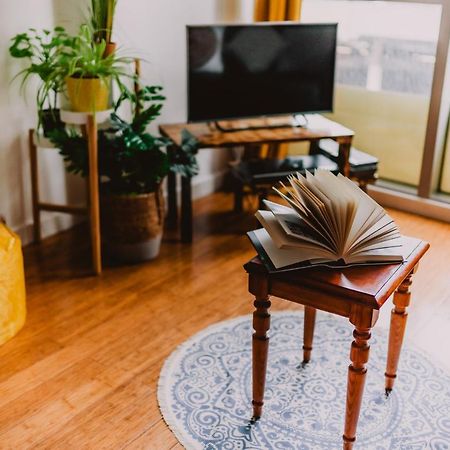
366,211
308,222
315,187
336,204
392,241
284,257
394,254
382,228
297,226
277,228
316,207
345,203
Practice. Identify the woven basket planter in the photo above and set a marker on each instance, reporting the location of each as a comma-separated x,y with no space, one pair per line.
132,226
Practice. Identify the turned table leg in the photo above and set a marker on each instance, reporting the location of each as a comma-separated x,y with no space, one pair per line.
359,355
344,157
260,347
399,317
308,332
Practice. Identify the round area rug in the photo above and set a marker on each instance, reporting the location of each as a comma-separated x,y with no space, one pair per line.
205,391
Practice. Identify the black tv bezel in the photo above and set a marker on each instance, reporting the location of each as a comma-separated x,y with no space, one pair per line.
259,24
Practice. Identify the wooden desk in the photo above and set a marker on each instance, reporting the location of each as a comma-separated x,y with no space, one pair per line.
208,136
355,292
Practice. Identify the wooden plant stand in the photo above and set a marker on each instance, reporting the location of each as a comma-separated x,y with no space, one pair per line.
88,123
354,292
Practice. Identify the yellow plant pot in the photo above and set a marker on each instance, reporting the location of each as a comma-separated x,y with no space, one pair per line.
88,94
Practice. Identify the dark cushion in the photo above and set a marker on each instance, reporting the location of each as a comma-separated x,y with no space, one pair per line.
359,161
270,171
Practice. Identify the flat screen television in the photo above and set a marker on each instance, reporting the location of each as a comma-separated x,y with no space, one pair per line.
241,71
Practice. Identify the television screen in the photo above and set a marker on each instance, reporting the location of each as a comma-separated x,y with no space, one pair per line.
261,69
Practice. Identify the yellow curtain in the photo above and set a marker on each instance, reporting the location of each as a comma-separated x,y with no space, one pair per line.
276,10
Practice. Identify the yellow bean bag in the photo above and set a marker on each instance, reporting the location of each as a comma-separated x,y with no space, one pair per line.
12,285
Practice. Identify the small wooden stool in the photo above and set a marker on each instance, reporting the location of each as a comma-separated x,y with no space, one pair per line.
354,292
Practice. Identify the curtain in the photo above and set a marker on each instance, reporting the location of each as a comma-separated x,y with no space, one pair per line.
276,10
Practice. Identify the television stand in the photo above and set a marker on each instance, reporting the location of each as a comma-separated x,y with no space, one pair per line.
270,132
264,123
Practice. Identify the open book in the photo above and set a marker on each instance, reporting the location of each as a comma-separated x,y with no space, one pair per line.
328,220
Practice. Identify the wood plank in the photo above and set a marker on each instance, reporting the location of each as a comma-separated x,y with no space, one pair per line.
158,437
209,136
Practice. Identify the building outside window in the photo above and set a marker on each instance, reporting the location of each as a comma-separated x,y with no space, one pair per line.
386,58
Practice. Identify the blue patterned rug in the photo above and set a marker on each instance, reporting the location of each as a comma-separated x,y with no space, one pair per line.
205,391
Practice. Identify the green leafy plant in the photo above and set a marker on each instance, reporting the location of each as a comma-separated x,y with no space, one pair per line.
131,160
102,18
184,160
135,160
41,49
145,104
83,57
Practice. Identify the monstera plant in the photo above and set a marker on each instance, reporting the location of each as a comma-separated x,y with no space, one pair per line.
132,165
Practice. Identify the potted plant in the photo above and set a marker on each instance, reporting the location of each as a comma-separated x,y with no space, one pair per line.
132,166
102,20
88,72
41,50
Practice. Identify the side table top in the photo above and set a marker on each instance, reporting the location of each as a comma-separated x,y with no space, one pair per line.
318,127
370,285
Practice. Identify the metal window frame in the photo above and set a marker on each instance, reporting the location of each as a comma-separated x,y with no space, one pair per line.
439,108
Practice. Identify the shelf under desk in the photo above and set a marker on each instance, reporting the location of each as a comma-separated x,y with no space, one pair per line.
208,136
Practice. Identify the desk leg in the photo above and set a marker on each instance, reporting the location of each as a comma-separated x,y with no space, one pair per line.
343,158
172,213
399,317
308,332
359,355
238,197
260,350
314,147
186,209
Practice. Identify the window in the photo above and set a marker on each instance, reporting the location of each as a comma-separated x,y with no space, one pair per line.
445,171
386,58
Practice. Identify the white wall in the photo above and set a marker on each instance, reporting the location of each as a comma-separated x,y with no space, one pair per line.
16,117
154,30
160,40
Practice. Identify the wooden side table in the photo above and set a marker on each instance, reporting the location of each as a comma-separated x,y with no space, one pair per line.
354,292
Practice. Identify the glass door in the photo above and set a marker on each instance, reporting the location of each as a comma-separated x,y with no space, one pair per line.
384,72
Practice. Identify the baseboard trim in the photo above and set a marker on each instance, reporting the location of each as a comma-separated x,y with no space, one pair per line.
56,222
410,203
207,184
53,224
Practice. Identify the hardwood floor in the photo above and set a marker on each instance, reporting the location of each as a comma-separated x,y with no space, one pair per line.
83,372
